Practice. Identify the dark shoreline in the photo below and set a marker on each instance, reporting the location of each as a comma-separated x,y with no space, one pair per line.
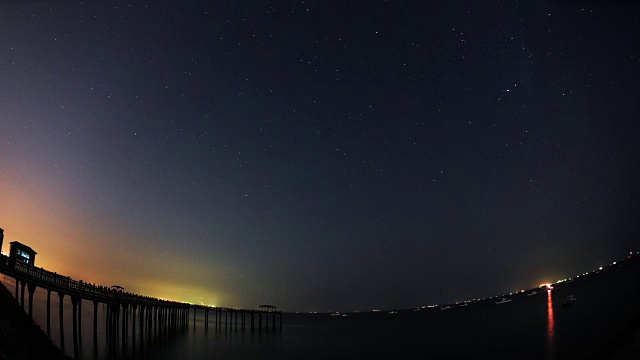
20,337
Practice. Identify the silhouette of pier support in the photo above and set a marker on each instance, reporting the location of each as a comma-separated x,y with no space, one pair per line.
95,324
31,287
237,319
125,318
61,312
48,312
75,302
143,310
133,322
80,320
112,325
22,286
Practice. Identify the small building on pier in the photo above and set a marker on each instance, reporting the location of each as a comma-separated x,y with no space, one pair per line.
267,308
22,253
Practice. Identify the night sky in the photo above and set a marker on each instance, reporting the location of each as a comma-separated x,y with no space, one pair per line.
324,156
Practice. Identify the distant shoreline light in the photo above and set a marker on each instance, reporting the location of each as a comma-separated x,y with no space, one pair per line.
549,286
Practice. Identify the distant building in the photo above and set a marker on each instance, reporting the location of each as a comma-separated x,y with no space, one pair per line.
1,237
22,253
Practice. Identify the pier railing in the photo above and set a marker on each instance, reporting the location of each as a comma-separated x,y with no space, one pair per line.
79,285
71,286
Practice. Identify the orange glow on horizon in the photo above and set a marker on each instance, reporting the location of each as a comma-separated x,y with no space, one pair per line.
72,240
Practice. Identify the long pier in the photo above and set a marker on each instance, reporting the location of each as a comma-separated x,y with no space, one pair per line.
154,316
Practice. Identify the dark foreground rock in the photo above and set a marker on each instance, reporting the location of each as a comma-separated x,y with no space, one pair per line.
20,337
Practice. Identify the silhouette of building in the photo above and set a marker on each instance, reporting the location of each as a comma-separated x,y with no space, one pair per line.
21,252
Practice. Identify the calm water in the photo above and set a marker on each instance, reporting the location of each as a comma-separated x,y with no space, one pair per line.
527,328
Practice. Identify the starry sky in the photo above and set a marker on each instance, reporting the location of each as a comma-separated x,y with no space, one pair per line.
320,156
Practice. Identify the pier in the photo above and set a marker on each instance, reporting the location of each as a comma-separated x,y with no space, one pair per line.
125,310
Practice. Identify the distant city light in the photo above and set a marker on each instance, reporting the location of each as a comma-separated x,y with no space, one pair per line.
548,286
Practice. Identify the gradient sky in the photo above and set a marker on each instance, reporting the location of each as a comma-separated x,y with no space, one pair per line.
320,156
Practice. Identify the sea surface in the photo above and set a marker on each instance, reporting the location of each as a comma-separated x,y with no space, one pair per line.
607,310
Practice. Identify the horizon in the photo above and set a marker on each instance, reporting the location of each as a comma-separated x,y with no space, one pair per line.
318,156
603,267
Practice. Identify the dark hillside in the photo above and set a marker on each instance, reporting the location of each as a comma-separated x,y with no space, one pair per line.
20,338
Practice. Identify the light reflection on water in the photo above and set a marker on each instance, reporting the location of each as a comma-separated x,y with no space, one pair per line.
551,332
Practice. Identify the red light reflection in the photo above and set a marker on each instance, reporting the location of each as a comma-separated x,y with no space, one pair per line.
551,332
